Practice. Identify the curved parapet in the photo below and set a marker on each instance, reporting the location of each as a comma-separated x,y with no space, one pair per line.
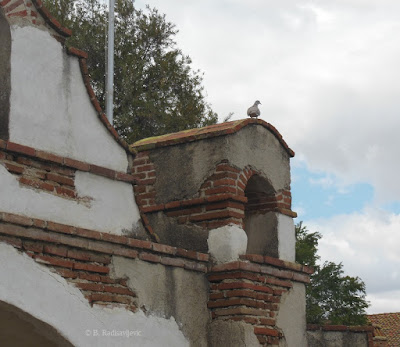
194,181
60,158
52,105
207,132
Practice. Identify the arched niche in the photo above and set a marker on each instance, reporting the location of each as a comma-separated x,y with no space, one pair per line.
261,222
5,68
18,328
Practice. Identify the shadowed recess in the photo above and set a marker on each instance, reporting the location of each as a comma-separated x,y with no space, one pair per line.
5,68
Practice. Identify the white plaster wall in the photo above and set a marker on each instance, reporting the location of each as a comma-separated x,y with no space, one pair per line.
49,298
50,108
227,243
232,334
286,238
168,291
291,317
112,208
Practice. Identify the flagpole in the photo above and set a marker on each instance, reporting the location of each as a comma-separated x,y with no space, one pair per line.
110,64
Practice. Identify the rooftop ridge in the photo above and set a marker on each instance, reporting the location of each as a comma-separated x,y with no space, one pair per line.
197,134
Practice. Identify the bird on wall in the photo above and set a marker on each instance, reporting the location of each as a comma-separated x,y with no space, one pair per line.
254,111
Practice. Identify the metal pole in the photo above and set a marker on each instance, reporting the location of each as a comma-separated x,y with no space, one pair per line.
110,64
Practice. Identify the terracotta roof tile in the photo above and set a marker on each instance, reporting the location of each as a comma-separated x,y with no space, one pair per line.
388,325
206,132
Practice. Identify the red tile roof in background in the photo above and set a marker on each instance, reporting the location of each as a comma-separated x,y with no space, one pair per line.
206,132
389,326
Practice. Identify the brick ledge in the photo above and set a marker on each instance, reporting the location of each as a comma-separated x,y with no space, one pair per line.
101,242
357,328
67,162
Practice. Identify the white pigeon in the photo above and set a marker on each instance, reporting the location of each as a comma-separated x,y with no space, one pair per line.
254,111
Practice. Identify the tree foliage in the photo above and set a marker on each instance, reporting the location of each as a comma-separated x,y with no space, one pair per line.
156,91
331,297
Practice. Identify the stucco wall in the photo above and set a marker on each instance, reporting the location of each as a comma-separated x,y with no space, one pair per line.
110,208
262,233
252,146
292,318
336,339
232,334
49,298
286,238
170,292
44,105
50,108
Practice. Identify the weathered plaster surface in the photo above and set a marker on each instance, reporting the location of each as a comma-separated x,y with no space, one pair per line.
182,236
336,339
49,298
50,108
232,334
258,147
252,146
261,229
270,234
169,292
111,207
227,243
292,317
286,238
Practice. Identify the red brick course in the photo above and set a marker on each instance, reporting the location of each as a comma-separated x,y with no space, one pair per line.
27,156
60,237
83,256
25,10
250,290
49,172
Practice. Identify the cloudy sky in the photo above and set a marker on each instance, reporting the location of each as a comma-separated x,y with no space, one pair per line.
327,74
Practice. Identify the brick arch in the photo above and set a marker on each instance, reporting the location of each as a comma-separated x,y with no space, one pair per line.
261,206
5,69
260,221
220,200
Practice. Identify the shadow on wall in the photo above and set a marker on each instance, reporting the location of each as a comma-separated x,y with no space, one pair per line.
18,328
5,68
260,224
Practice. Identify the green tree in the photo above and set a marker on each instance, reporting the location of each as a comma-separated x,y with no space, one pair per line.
156,90
331,297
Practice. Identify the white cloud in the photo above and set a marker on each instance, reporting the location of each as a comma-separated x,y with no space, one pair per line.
327,75
383,302
367,244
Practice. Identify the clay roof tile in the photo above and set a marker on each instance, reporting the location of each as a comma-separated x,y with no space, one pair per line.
388,325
